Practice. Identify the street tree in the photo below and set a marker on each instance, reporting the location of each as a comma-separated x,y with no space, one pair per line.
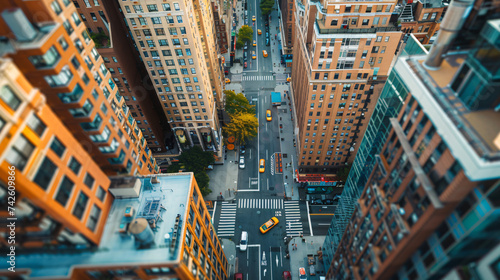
245,34
239,44
266,6
243,126
236,103
195,159
344,172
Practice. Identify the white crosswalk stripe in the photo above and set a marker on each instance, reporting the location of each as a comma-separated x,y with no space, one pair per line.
293,222
227,219
258,78
260,203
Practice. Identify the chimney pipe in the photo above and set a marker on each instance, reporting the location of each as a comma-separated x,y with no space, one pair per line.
452,23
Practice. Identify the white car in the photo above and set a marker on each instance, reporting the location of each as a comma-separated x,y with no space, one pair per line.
242,162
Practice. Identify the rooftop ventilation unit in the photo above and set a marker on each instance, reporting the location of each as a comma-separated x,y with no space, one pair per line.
19,24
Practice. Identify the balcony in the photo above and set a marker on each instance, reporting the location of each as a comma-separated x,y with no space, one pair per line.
322,29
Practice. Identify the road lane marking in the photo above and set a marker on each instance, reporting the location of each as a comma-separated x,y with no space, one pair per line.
309,218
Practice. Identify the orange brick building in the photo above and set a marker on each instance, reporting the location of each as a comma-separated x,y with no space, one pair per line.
60,192
173,239
60,59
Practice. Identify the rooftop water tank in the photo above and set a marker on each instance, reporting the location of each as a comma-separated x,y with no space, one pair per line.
141,231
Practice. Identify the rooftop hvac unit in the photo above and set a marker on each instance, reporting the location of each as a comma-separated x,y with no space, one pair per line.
19,24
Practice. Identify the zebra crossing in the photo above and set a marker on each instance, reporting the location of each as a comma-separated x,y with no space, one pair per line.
258,78
227,219
260,203
292,219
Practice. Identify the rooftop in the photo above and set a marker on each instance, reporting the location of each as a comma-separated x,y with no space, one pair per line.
471,134
167,199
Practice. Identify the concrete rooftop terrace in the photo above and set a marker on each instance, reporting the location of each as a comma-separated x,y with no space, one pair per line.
118,248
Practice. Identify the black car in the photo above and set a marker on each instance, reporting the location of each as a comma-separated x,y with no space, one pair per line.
245,56
242,149
268,43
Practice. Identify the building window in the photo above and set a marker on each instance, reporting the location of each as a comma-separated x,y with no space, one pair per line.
101,194
36,125
46,60
80,205
20,152
94,215
89,180
10,98
74,165
334,22
365,22
45,173
152,8
64,191
55,7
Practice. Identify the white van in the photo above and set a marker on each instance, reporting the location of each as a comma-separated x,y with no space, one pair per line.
244,241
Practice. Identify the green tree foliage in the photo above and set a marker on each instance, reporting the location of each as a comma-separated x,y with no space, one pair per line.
195,160
266,6
243,126
245,34
239,44
236,103
203,180
344,173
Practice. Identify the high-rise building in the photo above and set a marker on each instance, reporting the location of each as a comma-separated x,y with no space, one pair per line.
105,25
56,54
49,185
177,43
158,227
427,174
422,18
342,55
287,27
223,19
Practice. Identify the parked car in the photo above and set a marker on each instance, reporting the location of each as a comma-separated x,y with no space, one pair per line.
245,56
242,149
244,241
269,225
238,276
246,46
302,273
268,43
242,162
286,275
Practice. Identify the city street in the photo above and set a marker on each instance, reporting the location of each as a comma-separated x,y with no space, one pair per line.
259,196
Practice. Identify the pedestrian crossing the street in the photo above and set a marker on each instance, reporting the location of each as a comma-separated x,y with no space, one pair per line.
227,219
258,78
293,223
260,203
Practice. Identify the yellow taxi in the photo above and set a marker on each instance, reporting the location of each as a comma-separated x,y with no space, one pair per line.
269,225
264,53
228,81
288,79
262,165
259,31
253,18
254,43
254,56
268,115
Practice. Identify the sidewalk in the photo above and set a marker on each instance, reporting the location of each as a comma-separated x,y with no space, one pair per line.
299,257
229,248
224,178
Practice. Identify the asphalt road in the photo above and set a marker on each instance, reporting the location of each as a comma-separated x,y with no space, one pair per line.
260,195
